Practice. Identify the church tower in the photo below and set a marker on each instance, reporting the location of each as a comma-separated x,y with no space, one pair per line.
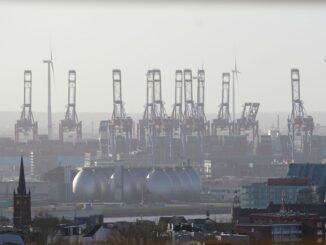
22,201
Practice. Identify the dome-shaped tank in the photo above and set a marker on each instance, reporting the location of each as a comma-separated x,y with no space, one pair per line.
195,182
186,183
139,175
85,185
176,183
112,188
103,176
129,187
158,186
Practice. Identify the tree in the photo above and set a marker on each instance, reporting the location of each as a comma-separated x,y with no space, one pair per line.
43,226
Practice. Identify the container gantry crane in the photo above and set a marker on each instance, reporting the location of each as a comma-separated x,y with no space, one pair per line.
222,124
248,124
26,128
120,126
300,125
70,128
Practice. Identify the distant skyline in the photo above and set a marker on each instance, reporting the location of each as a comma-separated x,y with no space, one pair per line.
267,39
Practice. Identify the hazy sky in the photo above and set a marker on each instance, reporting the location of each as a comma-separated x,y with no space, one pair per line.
268,41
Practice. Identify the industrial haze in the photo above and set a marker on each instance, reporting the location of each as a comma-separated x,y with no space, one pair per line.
91,120
148,109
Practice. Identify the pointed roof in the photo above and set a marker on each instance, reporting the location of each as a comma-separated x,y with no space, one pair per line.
21,189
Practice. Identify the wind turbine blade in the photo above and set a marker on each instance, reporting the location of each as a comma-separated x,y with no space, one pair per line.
237,72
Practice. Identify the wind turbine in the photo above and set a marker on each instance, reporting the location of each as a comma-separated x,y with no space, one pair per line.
50,67
235,73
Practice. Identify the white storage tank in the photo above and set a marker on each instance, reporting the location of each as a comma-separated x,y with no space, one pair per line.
186,183
139,175
195,183
177,191
86,186
103,175
158,186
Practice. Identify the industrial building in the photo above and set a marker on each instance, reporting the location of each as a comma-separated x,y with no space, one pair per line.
259,195
289,209
304,183
284,227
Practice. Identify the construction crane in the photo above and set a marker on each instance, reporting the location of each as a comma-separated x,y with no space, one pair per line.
26,128
120,126
70,128
300,125
222,124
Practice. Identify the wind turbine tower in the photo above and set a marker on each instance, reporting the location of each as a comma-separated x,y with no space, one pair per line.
50,67
235,73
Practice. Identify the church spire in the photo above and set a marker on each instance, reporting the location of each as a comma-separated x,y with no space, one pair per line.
21,190
22,202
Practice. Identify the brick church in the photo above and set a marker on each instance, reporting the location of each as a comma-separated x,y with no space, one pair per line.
22,202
